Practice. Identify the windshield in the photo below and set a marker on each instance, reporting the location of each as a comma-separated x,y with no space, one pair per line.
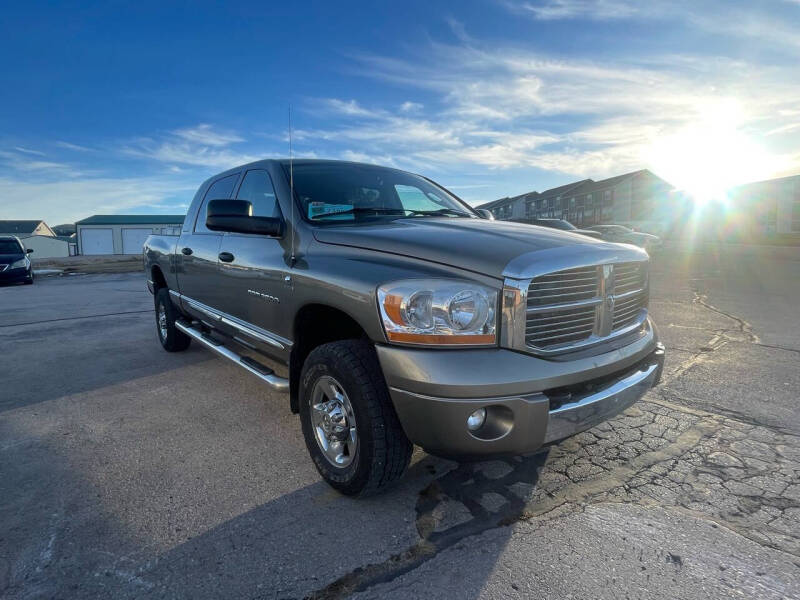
563,225
10,247
336,193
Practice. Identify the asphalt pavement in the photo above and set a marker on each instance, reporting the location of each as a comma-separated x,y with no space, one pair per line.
128,472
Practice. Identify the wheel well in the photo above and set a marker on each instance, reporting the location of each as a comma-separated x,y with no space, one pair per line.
158,279
314,325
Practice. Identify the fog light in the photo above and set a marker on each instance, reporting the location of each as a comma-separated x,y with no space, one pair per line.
476,419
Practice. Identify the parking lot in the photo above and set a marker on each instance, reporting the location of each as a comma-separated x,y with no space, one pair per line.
126,471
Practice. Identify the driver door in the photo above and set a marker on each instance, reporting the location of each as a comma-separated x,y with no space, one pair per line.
252,269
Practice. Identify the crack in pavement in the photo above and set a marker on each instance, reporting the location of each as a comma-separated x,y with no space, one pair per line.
116,314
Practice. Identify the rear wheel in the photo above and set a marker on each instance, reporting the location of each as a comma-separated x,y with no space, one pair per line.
349,423
172,340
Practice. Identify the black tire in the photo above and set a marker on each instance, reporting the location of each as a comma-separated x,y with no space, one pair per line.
29,280
383,450
172,340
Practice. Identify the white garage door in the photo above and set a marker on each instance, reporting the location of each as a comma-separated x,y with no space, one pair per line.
133,239
97,241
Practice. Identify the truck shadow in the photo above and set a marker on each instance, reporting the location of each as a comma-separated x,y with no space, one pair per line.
66,533
297,547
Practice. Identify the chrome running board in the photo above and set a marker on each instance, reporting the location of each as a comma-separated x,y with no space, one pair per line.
263,372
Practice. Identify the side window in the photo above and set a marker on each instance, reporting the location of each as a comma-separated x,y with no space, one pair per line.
257,189
221,189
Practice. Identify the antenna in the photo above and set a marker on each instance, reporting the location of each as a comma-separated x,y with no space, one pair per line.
291,186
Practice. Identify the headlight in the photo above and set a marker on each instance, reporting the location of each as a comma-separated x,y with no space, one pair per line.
438,311
22,262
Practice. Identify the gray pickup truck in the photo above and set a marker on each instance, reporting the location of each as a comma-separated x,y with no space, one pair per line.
393,314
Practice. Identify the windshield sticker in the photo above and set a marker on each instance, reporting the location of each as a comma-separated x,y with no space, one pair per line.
317,209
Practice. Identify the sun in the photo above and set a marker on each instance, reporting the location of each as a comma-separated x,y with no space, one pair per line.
710,154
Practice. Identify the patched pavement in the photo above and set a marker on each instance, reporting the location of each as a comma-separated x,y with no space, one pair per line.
127,472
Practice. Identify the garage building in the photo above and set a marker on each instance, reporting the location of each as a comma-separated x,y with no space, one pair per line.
122,234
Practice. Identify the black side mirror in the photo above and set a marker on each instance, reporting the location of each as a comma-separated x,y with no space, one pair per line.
486,214
236,216
29,251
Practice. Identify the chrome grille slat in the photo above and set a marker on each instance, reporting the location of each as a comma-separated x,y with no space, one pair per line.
570,308
576,335
568,287
588,313
581,326
571,323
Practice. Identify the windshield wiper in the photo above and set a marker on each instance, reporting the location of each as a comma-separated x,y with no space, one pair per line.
440,212
361,210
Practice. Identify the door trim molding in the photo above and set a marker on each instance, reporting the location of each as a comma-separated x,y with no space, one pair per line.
244,327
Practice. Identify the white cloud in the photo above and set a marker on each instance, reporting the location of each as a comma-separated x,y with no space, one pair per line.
591,118
411,107
569,9
200,146
205,135
66,201
28,151
71,146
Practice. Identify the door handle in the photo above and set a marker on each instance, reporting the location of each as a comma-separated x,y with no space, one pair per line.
186,251
226,257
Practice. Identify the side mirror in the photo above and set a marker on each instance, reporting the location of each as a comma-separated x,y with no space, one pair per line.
29,251
486,214
235,216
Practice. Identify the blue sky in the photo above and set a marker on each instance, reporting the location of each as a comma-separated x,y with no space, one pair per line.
126,107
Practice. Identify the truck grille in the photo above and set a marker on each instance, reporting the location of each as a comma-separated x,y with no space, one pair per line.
629,278
570,307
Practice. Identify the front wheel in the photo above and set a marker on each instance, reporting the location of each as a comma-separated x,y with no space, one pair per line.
349,423
171,338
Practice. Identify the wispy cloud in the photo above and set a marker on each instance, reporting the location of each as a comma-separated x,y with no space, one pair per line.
569,9
205,135
29,151
71,146
64,201
500,107
28,161
200,146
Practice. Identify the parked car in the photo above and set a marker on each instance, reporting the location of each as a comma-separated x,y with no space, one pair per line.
561,224
625,235
396,315
15,266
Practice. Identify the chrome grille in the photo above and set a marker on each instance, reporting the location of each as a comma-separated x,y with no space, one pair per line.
630,288
629,277
575,307
572,285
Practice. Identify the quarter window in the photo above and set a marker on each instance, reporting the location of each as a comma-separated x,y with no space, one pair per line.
257,189
221,189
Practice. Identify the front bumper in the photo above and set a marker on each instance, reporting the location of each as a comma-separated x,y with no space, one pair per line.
15,275
535,401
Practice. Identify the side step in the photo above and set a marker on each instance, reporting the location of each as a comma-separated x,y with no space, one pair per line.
263,372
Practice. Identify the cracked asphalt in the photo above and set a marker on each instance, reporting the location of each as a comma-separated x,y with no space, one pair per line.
126,472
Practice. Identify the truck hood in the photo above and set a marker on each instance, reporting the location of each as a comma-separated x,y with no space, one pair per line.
493,248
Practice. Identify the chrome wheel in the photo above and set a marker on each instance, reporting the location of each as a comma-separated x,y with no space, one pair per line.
333,421
162,321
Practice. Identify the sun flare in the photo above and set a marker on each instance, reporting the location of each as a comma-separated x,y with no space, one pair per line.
711,154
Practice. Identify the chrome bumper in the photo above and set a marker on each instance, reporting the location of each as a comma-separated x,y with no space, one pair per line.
587,411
